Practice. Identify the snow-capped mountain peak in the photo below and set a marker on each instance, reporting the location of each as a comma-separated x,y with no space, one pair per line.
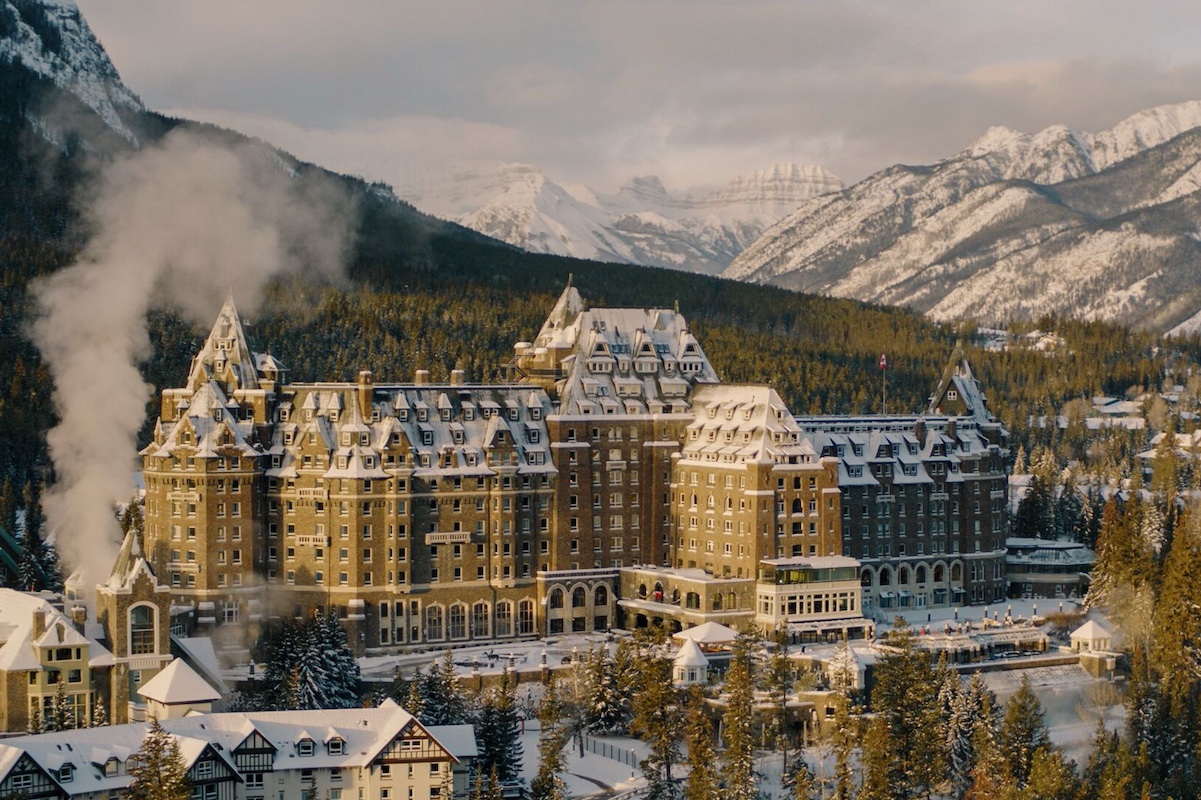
51,39
1015,225
642,222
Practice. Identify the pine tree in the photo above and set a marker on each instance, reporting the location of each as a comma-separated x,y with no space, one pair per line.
877,763
36,725
442,698
8,507
61,718
608,710
971,703
658,722
498,732
844,735
29,568
778,678
1023,733
991,778
158,769
99,713
906,698
328,646
798,780
1051,777
548,783
414,703
738,772
701,783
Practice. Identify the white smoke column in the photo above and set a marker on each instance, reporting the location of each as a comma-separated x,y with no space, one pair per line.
179,224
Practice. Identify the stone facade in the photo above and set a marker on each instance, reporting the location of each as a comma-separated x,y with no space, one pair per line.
434,513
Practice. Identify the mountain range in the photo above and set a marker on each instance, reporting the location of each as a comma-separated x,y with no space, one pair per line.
641,223
1100,226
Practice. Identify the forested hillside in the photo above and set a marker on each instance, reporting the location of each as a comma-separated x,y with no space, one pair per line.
421,293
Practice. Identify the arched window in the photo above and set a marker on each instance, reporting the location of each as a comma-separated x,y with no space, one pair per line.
865,580
433,622
642,590
956,572
717,602
692,600
504,618
885,576
457,624
479,621
525,618
903,575
579,598
796,506
142,638
921,573
940,573
601,598
731,602
556,598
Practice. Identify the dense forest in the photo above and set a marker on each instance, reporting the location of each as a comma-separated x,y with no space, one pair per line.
422,293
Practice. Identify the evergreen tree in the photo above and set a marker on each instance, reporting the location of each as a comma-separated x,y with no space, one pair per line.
1023,733
339,673
701,783
8,507
61,718
548,783
30,577
738,772
990,777
906,698
36,725
442,699
99,713
158,769
413,701
877,763
608,706
1051,777
658,722
972,702
844,736
498,732
798,780
778,678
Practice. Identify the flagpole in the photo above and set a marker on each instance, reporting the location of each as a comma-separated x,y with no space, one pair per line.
884,385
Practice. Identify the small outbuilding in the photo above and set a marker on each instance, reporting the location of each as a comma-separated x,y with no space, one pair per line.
690,665
1090,637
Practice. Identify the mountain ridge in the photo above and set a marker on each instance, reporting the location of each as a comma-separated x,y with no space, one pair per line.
641,223
1014,226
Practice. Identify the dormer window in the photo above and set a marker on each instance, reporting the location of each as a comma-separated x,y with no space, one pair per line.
66,773
336,746
111,767
304,748
952,395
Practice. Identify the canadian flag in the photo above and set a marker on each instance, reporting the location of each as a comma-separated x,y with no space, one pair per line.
883,362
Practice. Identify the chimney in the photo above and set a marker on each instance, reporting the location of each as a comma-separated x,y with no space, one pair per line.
364,395
458,377
422,377
919,430
79,617
39,624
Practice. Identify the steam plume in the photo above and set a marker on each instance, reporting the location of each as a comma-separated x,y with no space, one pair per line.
177,224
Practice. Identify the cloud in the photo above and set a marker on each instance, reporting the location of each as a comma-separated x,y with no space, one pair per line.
690,89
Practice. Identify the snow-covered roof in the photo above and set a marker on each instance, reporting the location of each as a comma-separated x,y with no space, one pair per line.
708,633
178,684
1091,631
18,642
690,655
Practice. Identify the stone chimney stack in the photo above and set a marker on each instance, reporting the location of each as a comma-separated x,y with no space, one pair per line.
39,624
366,385
422,378
458,377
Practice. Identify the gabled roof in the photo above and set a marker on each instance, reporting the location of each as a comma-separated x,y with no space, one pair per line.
1091,631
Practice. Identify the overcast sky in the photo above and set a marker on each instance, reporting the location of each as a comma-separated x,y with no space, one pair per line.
693,91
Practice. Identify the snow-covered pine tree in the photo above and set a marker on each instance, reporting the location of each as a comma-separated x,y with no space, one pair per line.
99,713
608,710
1023,733
442,699
340,684
738,772
548,783
413,702
498,731
158,768
701,783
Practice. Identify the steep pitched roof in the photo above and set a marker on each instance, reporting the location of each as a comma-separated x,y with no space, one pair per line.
178,683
